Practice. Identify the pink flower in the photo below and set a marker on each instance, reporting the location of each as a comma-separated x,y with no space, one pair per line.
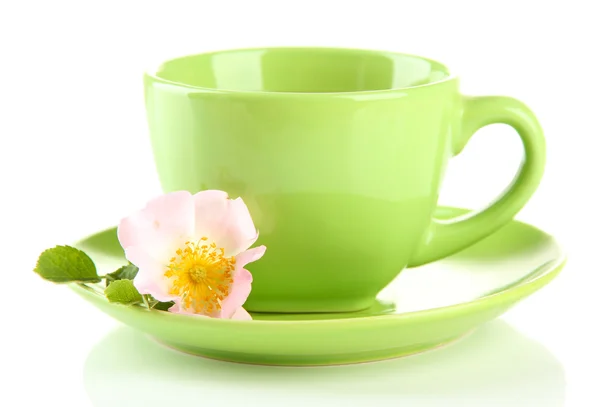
192,250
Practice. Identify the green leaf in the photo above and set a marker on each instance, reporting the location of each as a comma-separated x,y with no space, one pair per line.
157,305
123,292
66,264
163,306
127,272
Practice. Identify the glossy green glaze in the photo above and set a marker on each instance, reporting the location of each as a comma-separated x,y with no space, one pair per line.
339,154
422,309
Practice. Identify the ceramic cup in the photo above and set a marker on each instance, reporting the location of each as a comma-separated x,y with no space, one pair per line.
339,155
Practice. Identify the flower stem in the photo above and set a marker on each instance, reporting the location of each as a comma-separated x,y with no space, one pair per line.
145,297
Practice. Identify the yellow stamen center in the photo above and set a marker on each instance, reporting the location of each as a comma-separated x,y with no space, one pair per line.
201,275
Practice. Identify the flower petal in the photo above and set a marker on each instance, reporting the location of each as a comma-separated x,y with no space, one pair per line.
249,256
242,281
150,278
241,233
162,226
226,222
241,315
240,290
178,309
210,209
175,308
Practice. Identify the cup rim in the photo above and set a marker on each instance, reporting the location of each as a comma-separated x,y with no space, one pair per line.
151,73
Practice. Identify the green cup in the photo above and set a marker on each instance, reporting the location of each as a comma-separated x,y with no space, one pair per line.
339,155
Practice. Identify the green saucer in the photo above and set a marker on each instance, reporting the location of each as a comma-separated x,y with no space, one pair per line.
422,309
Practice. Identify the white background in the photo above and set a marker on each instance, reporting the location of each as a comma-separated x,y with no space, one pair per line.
75,158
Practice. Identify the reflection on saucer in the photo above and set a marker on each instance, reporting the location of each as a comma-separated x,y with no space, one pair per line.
495,366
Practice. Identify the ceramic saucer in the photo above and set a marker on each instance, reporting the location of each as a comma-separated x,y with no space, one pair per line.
422,309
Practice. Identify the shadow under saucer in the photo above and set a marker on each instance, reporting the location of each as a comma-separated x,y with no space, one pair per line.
494,366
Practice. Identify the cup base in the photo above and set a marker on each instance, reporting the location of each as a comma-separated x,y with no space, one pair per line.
325,305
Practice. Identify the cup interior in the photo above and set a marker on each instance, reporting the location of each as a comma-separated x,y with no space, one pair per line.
302,70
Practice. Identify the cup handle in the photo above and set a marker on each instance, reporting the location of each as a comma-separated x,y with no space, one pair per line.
445,237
